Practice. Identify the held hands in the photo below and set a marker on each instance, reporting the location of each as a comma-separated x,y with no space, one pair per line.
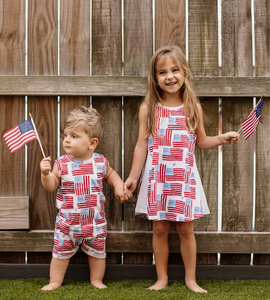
122,194
230,138
45,166
130,184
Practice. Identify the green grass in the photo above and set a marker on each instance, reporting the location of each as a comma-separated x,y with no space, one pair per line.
133,289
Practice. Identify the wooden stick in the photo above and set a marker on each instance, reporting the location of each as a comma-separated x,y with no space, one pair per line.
38,138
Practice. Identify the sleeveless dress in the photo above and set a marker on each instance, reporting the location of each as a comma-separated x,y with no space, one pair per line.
170,187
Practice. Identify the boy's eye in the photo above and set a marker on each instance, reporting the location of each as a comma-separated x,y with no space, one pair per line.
74,136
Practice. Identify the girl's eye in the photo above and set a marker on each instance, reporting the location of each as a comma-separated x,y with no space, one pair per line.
74,136
175,70
161,72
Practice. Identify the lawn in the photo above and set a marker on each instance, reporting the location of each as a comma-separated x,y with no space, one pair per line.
133,289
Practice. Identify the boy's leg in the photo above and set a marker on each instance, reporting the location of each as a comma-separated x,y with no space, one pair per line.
97,268
185,231
57,272
161,253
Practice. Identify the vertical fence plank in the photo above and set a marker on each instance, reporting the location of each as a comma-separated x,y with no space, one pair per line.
262,67
107,60
237,161
170,23
138,37
203,61
12,49
42,41
74,60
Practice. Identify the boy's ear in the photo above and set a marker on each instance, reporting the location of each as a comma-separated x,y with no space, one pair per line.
93,143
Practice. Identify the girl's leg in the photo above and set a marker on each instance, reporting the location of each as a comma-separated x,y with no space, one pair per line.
185,231
97,268
57,272
161,253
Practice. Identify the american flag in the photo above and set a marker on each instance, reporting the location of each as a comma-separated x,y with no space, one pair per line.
19,135
250,124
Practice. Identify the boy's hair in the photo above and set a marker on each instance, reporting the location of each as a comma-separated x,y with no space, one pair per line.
88,118
154,93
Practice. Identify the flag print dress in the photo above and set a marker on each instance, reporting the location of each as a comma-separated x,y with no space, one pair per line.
170,187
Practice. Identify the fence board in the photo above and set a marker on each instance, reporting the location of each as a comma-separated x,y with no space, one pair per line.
262,66
236,38
106,41
138,38
207,242
42,37
203,37
236,61
107,60
127,86
138,33
170,19
12,53
14,212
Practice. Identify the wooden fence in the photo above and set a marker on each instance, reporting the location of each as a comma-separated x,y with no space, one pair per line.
58,55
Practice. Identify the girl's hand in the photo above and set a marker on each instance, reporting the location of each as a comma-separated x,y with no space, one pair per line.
130,184
45,166
122,193
230,138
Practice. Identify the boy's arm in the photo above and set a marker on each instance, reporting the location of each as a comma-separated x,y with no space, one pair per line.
50,181
113,179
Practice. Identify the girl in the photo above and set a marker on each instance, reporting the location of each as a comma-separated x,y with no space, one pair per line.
170,123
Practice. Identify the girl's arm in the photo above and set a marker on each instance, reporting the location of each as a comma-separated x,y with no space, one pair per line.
50,181
140,151
113,179
205,142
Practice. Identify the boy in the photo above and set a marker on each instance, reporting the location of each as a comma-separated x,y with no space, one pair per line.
78,176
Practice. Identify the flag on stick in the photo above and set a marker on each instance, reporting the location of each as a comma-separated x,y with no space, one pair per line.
249,125
19,135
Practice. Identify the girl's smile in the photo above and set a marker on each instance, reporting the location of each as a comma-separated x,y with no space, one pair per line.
169,76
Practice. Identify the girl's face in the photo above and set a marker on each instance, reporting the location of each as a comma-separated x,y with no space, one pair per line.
169,76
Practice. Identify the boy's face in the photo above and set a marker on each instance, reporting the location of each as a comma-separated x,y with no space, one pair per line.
77,143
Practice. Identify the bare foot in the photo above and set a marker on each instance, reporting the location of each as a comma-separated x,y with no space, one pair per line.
98,284
51,286
159,285
192,285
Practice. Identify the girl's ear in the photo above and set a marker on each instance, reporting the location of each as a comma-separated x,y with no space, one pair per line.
93,143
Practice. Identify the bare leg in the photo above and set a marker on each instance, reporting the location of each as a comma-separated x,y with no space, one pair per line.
161,253
57,272
189,253
97,268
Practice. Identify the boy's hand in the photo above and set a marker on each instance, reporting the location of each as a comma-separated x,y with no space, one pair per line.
122,193
45,166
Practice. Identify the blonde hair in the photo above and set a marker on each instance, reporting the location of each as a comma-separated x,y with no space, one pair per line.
90,120
154,93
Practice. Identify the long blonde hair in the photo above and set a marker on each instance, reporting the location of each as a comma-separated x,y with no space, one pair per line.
154,93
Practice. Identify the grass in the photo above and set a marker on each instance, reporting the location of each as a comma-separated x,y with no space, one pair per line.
133,289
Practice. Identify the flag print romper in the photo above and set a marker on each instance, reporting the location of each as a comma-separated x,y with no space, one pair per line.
170,187
80,200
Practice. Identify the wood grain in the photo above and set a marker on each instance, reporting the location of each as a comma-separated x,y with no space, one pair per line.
170,23
14,213
205,86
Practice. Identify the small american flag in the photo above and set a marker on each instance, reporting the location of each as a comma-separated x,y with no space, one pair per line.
19,135
250,124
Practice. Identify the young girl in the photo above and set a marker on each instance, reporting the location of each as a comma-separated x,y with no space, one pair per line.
170,123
